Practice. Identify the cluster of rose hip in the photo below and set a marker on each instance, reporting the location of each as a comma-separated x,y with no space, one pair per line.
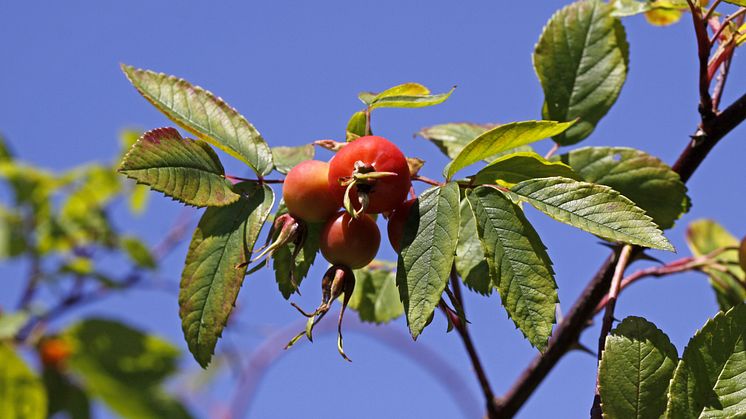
367,176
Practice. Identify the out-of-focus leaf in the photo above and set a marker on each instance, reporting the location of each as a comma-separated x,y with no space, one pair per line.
6,154
286,158
427,252
22,393
216,265
518,263
581,60
517,167
705,236
596,209
644,179
471,264
11,323
503,138
375,297
662,15
124,367
710,380
138,198
12,237
138,252
186,170
64,396
637,364
205,115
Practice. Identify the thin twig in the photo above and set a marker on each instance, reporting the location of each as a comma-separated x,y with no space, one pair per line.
427,180
552,150
608,321
463,331
260,181
703,54
740,12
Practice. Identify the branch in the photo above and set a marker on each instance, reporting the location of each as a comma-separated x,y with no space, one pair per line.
568,331
703,53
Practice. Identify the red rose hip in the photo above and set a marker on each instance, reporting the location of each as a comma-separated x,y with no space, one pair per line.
397,221
352,242
365,155
306,192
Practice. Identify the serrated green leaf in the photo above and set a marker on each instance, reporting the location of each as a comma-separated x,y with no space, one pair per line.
644,179
124,368
710,380
637,364
204,115
375,297
357,126
517,167
452,138
282,260
596,209
407,95
519,264
216,265
503,138
705,236
581,60
22,394
427,253
186,170
64,396
471,264
741,3
138,252
286,158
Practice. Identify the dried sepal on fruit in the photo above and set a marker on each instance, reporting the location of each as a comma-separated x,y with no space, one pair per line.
339,280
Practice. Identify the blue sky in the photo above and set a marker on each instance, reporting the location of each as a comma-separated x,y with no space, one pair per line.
294,69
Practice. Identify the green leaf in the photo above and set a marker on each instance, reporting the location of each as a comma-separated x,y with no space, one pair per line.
644,179
186,170
407,95
519,264
138,198
710,380
427,253
596,209
124,367
581,60
357,126
22,394
282,260
741,3
503,138
375,297
517,167
452,138
6,154
471,264
625,8
216,265
138,252
204,115
286,158
705,236
636,367
65,396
